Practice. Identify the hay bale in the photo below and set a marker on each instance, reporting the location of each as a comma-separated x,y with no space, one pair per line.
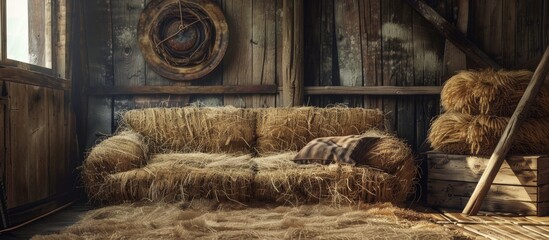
192,129
290,129
459,133
395,157
334,184
125,151
174,177
491,92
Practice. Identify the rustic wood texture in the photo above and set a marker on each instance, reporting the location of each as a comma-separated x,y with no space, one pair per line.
454,35
349,47
373,90
37,167
238,63
185,90
516,170
264,49
520,187
16,75
494,226
506,139
97,25
510,31
292,53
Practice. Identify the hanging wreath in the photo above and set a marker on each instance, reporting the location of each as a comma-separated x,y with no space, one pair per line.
183,39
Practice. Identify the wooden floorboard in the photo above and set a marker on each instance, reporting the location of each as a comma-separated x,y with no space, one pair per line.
50,224
494,226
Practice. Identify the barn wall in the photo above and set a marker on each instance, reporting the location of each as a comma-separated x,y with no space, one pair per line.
347,43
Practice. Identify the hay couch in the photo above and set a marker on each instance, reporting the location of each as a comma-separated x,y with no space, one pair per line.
242,155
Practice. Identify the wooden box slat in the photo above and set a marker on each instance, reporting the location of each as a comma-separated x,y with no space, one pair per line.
521,186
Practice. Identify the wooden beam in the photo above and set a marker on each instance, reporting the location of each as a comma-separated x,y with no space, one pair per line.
453,34
292,53
504,144
16,75
373,90
183,90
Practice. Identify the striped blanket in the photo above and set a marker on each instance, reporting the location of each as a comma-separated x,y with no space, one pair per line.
344,150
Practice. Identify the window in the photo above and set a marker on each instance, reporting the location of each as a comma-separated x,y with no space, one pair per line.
32,36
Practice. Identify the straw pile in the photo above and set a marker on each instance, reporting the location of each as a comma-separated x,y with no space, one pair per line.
388,174
290,129
192,129
174,177
478,135
125,151
211,220
491,92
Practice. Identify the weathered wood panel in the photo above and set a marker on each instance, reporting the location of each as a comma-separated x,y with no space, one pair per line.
518,171
500,198
58,126
264,49
238,63
99,40
529,30
27,180
370,21
349,47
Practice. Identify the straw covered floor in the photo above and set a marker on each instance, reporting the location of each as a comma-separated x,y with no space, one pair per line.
211,220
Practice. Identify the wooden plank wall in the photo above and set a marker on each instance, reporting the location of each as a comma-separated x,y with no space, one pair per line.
114,59
38,164
347,43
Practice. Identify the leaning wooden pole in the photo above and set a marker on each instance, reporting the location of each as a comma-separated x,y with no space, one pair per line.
504,144
292,53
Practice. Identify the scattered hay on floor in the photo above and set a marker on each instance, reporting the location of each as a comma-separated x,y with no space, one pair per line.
174,177
491,92
290,129
193,129
458,133
125,151
210,220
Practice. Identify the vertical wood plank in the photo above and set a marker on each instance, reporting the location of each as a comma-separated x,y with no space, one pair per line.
129,65
428,68
397,56
328,54
27,181
237,63
278,30
292,53
508,33
370,21
349,47
312,32
263,49
99,42
487,27
57,132
528,31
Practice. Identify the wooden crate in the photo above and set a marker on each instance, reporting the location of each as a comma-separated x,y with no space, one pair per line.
521,186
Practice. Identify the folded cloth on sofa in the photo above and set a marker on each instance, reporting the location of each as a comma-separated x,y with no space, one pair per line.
342,149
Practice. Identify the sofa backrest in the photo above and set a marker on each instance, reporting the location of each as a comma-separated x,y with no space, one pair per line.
246,131
290,129
192,129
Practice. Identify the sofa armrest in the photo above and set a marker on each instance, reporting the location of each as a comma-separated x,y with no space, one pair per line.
124,151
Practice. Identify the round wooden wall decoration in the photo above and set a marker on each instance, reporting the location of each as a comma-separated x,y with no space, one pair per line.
183,39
